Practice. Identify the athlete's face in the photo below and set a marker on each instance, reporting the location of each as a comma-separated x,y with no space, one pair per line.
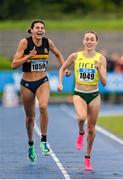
38,30
90,41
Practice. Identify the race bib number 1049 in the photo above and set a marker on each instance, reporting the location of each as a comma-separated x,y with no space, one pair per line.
87,74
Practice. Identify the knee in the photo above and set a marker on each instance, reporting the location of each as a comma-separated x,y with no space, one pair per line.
43,108
91,131
30,119
81,118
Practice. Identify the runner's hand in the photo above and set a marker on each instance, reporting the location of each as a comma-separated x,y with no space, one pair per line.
97,65
67,72
60,87
32,53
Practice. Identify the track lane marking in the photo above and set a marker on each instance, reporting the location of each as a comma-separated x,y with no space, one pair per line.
53,155
110,135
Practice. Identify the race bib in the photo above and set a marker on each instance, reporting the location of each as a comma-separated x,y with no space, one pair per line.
87,74
38,65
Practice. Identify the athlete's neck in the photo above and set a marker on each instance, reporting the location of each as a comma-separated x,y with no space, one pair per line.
89,54
36,41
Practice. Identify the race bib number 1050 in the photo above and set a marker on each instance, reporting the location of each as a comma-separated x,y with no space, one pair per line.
38,65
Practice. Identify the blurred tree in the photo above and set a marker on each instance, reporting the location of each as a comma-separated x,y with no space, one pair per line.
27,9
13,9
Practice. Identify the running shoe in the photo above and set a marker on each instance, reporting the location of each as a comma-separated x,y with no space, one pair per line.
79,141
44,148
87,164
31,153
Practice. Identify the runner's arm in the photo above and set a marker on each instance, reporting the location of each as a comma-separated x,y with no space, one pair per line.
101,68
70,60
19,57
58,55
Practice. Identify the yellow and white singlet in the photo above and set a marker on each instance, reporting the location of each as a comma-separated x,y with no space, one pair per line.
85,71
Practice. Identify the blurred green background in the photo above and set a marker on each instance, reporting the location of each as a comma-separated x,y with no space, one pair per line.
62,15
60,9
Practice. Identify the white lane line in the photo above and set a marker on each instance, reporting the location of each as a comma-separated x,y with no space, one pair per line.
55,158
110,135
53,155
70,113
111,113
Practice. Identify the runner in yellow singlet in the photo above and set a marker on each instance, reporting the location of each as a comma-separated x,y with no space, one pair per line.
89,68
